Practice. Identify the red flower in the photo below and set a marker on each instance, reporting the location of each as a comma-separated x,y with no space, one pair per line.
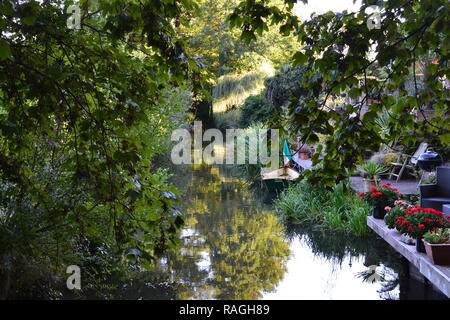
435,229
421,226
373,188
410,228
399,195
362,194
394,189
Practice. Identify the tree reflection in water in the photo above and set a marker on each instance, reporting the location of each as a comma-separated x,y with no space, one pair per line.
337,247
234,246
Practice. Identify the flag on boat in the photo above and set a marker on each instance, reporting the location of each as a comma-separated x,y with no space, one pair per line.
286,154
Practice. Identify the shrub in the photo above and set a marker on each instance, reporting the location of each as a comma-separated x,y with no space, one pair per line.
389,158
429,178
227,120
284,85
255,109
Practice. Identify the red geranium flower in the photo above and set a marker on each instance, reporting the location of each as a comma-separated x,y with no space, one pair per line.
410,228
421,226
362,194
373,188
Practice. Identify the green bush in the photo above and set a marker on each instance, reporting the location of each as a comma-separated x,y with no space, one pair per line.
278,89
339,209
255,109
227,120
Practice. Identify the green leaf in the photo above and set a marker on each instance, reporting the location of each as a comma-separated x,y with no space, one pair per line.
5,51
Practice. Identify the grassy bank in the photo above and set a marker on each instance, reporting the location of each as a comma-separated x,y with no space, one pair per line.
340,209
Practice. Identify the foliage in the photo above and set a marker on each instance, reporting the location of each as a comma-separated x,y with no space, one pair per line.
339,209
429,178
220,49
83,112
373,170
417,221
394,212
339,50
232,89
255,109
390,158
227,120
437,237
382,196
284,85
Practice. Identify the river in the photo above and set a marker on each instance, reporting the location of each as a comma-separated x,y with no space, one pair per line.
235,247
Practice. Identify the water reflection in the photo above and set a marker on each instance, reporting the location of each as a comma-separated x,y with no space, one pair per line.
338,266
234,247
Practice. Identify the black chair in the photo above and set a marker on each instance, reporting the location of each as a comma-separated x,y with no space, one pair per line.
436,195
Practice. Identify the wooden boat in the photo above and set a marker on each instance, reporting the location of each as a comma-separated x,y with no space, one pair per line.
279,179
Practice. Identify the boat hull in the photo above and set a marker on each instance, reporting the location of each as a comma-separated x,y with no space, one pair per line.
279,179
277,185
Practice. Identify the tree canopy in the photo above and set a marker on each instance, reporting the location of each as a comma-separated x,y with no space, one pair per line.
83,112
339,51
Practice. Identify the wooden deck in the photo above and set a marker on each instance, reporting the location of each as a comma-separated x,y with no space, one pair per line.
439,276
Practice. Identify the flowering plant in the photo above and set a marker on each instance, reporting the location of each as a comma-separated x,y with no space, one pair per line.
417,221
381,196
393,213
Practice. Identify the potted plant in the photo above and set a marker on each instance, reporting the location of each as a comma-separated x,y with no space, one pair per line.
381,198
393,213
437,246
417,221
372,172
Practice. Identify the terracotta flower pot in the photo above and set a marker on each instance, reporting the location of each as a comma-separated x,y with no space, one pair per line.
438,253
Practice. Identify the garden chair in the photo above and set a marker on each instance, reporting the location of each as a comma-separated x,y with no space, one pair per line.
437,196
410,162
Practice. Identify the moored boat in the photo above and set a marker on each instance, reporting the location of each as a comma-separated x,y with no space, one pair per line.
279,179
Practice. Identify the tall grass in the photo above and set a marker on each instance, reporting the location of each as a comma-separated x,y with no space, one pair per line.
339,209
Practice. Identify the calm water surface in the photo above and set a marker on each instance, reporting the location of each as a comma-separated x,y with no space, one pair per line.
234,247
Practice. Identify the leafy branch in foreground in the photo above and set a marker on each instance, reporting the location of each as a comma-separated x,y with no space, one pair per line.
340,53
75,108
